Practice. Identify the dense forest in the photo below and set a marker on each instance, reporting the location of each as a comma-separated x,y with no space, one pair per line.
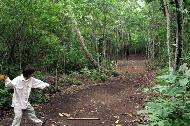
64,39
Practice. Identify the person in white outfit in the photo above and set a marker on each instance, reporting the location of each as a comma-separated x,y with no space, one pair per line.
22,87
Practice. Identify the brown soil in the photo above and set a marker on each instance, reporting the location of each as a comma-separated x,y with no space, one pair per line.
115,102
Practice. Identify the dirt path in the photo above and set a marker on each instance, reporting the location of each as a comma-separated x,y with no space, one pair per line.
114,102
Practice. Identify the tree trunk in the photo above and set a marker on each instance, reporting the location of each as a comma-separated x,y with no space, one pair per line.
147,51
56,79
149,46
129,39
80,37
153,48
11,46
169,45
179,32
81,41
96,44
163,7
159,51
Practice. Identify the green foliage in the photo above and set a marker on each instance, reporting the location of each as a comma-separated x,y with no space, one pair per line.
5,97
86,72
41,33
77,78
171,106
186,58
30,27
39,74
71,80
94,74
38,96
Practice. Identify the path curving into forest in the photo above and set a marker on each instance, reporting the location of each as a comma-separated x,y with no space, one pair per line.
114,102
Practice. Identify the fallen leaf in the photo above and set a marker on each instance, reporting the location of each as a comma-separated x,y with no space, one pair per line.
117,121
66,114
117,117
130,114
60,114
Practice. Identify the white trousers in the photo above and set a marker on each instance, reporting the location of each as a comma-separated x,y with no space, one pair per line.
30,113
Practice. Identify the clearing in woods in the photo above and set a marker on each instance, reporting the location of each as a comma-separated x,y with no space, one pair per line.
114,102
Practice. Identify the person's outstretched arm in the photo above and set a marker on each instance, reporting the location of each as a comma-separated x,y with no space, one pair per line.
9,83
39,84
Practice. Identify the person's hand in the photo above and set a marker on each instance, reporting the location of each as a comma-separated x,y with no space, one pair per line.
5,77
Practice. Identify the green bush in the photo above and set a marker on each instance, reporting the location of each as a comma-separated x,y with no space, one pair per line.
171,106
69,80
38,96
86,72
5,97
94,74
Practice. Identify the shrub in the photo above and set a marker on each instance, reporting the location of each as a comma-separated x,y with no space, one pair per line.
171,106
38,96
5,97
69,80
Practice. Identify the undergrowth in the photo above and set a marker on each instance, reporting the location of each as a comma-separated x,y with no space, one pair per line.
170,105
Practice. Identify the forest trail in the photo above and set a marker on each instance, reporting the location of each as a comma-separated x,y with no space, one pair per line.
134,64
114,102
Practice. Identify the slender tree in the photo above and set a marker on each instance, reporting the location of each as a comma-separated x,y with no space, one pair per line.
179,31
80,37
169,44
81,41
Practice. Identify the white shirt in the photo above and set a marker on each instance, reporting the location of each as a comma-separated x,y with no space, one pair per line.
22,89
